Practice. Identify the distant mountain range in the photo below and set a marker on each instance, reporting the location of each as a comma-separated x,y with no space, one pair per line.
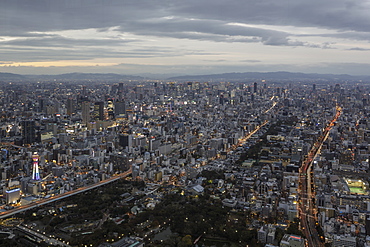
71,76
247,76
11,76
281,75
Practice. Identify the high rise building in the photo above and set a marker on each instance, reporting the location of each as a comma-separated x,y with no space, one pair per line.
70,106
120,87
222,100
50,109
110,108
125,140
84,92
255,87
12,195
119,108
28,131
337,88
98,113
85,112
35,167
41,104
262,235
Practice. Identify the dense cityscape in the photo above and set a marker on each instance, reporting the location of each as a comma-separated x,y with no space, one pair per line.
171,163
184,123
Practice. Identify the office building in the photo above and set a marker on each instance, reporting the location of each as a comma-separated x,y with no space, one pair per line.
98,113
347,241
28,131
119,108
70,106
12,195
290,240
125,141
85,112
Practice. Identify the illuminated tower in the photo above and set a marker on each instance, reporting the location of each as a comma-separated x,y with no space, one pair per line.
35,167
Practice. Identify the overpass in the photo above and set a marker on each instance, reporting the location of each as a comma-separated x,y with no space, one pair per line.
45,201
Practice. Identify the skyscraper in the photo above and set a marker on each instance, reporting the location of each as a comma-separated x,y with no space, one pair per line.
110,108
255,87
98,111
120,88
222,100
70,106
85,112
120,108
125,140
84,92
41,104
35,167
28,131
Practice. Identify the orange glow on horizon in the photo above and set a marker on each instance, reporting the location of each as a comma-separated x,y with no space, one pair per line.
62,63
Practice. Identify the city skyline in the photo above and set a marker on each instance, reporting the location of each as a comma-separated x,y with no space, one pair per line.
167,37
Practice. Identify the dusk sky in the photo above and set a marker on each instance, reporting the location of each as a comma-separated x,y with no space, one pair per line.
184,37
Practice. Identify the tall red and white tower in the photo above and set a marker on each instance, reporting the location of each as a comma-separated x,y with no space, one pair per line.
35,167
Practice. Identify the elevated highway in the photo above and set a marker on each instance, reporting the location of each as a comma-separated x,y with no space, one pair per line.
306,207
45,201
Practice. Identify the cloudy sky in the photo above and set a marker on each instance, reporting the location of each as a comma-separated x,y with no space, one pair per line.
184,37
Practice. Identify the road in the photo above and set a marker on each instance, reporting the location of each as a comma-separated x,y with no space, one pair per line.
46,239
245,138
307,209
38,203
41,202
249,135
